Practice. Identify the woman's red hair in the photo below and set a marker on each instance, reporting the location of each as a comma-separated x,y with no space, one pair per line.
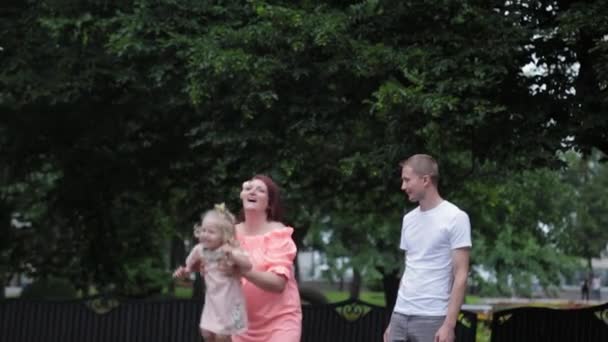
274,211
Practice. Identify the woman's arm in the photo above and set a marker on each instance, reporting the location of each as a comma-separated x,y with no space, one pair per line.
278,261
266,280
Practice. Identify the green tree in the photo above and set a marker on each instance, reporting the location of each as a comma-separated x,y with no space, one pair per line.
568,46
516,221
145,112
586,235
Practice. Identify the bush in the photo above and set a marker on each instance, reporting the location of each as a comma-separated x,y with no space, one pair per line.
50,288
142,279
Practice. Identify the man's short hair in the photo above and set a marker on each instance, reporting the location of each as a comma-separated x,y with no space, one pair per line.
423,165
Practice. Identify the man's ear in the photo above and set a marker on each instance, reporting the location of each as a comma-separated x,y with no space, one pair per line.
426,179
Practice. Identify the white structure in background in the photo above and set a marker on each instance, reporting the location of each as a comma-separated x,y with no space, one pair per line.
16,284
313,266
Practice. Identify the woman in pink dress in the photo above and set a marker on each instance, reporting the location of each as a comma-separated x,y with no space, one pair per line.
271,292
224,310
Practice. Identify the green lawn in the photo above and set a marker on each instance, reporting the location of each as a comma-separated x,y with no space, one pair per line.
472,300
183,292
372,297
376,298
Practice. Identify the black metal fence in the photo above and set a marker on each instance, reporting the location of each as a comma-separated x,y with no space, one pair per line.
354,320
113,320
543,324
99,320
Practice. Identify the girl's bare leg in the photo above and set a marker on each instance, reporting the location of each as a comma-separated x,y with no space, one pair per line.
222,338
208,336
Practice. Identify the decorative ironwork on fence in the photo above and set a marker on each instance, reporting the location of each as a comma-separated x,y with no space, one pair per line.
544,324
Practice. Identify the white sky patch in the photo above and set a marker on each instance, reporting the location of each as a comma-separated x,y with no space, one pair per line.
532,69
571,91
545,228
326,237
574,69
15,222
567,141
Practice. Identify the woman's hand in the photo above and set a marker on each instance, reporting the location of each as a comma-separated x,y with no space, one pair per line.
229,268
228,264
235,261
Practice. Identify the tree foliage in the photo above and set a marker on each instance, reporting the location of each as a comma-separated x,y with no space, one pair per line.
124,119
586,235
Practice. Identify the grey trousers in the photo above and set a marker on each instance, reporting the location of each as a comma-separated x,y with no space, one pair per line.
406,328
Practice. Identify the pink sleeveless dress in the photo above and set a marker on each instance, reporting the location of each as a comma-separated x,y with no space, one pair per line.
273,317
224,310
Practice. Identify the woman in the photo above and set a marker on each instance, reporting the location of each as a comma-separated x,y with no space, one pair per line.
271,292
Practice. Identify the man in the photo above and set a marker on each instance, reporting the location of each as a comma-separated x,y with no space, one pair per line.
436,237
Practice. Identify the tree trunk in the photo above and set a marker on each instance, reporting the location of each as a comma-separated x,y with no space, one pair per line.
198,288
177,256
298,239
296,268
588,92
390,284
355,285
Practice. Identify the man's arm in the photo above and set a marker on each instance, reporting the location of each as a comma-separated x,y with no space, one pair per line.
460,262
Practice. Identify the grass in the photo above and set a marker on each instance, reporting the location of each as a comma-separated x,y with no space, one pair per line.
183,292
472,300
376,298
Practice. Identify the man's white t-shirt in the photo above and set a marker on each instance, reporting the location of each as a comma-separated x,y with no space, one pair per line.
428,238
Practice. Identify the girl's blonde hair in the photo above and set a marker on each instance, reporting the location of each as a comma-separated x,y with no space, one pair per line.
226,223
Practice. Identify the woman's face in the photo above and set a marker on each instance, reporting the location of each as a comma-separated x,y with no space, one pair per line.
254,195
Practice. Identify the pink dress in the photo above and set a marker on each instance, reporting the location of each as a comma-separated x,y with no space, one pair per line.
273,317
224,310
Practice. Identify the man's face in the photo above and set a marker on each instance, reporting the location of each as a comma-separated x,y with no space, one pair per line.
413,184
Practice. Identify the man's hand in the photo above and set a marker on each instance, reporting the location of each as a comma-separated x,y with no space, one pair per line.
445,334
